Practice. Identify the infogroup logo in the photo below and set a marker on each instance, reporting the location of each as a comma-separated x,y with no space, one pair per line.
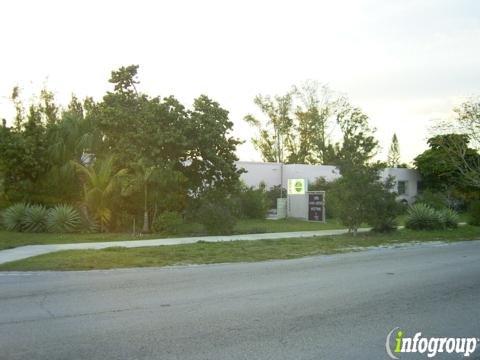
429,346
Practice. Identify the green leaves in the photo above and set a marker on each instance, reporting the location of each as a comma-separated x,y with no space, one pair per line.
35,219
102,184
63,219
312,125
12,217
423,217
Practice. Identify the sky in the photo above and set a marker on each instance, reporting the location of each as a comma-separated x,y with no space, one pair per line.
405,63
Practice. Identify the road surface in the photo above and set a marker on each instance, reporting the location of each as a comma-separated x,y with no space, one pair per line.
326,307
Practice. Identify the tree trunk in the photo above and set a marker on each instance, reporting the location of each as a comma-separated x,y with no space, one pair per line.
146,227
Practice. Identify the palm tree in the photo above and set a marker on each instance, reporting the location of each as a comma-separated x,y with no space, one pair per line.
101,183
141,180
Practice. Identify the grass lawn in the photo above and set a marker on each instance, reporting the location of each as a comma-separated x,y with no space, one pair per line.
11,239
236,251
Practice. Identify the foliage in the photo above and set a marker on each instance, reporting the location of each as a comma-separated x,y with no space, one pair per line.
216,213
383,208
63,219
435,199
299,127
361,196
437,165
358,142
12,217
101,185
35,219
474,213
449,218
252,203
274,193
423,217
331,204
466,127
393,160
168,222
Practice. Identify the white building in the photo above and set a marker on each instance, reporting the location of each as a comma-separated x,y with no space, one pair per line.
273,174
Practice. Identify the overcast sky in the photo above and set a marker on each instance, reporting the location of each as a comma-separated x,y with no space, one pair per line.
403,62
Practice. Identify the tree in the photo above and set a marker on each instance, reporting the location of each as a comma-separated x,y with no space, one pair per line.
101,184
24,156
393,159
273,133
191,150
315,123
467,124
358,144
210,155
71,137
439,169
312,125
172,153
362,197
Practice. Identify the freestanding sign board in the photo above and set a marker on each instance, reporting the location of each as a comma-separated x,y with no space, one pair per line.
316,206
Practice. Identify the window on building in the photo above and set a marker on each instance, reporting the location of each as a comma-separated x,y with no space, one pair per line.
402,188
419,187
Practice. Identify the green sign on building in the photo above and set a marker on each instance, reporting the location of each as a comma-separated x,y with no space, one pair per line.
296,187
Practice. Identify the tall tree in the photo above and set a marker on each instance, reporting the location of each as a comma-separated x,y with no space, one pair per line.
311,125
393,159
358,145
274,132
314,124
440,169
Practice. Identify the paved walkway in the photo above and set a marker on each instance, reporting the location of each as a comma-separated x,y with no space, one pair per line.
24,252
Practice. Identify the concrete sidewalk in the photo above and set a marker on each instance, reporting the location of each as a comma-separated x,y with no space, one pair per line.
24,252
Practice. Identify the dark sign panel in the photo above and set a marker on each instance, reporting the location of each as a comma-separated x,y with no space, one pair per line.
315,207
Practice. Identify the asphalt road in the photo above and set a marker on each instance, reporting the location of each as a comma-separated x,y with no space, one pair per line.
327,307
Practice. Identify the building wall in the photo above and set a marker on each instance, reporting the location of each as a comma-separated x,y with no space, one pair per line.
278,174
257,172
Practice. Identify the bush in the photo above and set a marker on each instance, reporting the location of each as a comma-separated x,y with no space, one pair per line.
423,217
35,219
435,200
168,222
273,194
12,217
383,210
216,217
252,203
362,196
474,213
63,219
449,218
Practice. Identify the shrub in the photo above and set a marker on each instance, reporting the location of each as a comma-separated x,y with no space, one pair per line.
273,194
252,203
449,218
435,200
12,217
35,219
216,217
383,210
423,217
168,222
474,213
63,219
361,195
